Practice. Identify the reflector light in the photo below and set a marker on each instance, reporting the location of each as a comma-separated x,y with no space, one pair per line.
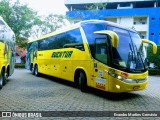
124,74
118,86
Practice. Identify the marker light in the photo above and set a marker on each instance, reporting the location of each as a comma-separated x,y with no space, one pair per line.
118,86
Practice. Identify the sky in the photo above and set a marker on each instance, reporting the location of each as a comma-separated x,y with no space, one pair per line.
45,7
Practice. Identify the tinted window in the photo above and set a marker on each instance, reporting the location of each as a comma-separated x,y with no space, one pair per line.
101,50
70,39
32,46
73,39
56,42
89,30
43,44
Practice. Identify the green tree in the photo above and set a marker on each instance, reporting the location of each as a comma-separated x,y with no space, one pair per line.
25,22
44,25
19,17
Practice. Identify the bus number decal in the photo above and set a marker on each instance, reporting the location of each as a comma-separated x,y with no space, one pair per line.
64,54
100,80
100,86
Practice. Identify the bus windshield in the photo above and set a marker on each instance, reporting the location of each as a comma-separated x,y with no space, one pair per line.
130,54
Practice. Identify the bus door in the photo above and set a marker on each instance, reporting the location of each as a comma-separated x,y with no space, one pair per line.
66,66
100,70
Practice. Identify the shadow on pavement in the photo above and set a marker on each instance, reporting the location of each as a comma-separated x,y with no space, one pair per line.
114,96
99,93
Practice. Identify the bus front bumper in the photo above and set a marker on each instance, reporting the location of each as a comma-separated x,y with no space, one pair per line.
121,86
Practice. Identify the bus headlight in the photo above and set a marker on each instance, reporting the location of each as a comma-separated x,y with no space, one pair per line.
135,80
119,77
129,80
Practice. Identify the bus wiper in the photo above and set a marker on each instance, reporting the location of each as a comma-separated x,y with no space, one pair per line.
130,64
138,54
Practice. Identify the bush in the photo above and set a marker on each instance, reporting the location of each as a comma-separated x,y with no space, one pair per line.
19,65
154,58
154,71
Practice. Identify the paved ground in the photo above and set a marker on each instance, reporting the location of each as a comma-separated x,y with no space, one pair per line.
25,92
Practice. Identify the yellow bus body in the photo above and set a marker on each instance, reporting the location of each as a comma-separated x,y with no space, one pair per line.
66,63
7,50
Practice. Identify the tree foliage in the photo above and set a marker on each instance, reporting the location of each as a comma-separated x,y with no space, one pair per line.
19,17
25,22
47,24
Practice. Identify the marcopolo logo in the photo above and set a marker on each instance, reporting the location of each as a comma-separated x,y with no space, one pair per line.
63,54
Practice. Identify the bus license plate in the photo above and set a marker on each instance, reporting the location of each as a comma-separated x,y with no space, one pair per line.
136,87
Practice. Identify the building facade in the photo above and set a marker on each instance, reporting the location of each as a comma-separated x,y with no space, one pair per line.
141,15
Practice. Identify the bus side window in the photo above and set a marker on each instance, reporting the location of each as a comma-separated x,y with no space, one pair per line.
101,50
42,44
89,30
73,39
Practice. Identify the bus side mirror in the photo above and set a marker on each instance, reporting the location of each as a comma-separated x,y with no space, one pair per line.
112,34
152,43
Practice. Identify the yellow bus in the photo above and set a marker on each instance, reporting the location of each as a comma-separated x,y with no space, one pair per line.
93,53
7,51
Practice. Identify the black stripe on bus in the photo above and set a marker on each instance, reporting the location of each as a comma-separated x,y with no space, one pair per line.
2,41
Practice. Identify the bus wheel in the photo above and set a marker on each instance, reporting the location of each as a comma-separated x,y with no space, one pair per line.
33,71
2,79
83,82
5,78
36,70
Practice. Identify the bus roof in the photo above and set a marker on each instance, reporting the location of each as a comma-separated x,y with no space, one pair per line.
81,23
2,20
108,23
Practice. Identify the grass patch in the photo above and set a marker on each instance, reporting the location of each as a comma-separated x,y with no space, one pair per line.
19,65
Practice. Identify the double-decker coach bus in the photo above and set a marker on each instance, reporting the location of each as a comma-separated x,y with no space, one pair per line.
7,51
93,53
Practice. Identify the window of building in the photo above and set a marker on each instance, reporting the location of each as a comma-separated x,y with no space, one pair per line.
125,4
140,20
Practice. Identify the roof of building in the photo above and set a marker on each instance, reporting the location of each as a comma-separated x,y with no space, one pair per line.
101,1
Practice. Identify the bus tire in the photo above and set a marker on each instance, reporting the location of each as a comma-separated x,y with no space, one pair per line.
36,70
5,78
82,82
33,71
2,79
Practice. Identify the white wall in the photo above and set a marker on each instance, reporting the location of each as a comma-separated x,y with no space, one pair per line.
18,59
126,21
129,22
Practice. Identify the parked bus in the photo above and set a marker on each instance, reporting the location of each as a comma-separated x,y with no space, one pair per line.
93,53
7,51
